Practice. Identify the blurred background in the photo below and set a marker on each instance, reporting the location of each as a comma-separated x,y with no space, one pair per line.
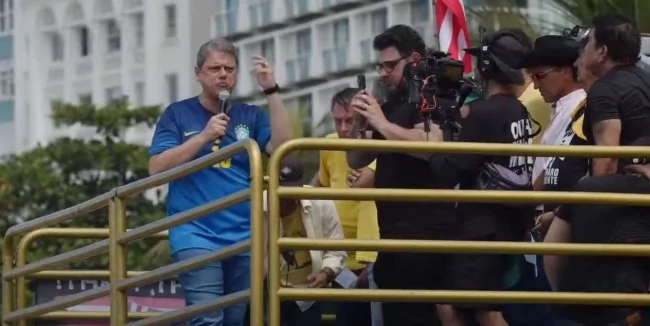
82,82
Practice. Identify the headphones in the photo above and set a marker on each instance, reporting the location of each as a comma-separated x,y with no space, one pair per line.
485,63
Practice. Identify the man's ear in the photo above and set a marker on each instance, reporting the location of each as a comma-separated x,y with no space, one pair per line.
415,57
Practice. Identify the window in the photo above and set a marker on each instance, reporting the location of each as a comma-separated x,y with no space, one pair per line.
84,41
139,94
420,11
6,16
378,21
172,87
113,36
7,83
267,50
113,93
303,42
170,20
56,47
138,24
231,16
85,99
341,32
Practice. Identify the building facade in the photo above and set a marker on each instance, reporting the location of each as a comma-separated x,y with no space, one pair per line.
94,51
7,90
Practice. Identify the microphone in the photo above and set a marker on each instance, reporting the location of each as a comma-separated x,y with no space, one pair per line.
224,97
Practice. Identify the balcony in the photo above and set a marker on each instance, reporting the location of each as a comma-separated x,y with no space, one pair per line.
298,68
335,59
112,61
84,67
260,13
56,72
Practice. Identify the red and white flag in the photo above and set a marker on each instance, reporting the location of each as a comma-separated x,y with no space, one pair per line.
453,33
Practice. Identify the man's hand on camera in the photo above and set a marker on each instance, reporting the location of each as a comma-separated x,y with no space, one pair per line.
368,107
215,128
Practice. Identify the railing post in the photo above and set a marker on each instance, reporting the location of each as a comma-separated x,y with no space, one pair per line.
8,288
274,234
117,260
257,237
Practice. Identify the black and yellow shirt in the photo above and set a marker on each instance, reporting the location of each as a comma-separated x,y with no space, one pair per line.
296,270
562,173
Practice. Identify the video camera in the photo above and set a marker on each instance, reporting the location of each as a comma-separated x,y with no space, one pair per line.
436,86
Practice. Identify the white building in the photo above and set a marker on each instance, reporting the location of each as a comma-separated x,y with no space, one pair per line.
7,113
92,51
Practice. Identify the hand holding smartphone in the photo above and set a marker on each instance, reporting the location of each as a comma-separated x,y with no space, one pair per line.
360,122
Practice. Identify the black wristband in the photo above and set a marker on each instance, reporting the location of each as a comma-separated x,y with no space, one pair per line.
272,90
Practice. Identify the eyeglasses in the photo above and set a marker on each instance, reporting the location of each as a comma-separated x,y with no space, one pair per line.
541,75
388,66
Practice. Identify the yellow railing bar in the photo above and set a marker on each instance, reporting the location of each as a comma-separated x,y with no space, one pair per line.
453,195
183,217
479,247
572,298
114,199
275,192
30,237
196,309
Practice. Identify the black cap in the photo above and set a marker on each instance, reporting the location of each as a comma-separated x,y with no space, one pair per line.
643,142
552,51
506,51
291,172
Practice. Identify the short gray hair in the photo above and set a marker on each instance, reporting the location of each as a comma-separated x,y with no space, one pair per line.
217,45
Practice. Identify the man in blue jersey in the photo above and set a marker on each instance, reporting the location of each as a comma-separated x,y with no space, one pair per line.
191,128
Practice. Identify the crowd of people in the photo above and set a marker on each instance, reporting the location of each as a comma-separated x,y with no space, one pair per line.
556,90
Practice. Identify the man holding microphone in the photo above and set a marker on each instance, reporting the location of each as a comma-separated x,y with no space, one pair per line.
196,127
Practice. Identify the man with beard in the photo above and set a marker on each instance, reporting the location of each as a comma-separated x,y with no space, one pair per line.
618,103
358,218
398,47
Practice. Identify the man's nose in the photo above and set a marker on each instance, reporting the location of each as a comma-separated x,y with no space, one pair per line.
383,73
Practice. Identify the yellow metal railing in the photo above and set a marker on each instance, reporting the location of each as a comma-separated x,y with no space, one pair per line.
15,269
275,192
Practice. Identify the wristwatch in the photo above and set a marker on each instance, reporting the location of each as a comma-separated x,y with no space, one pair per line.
272,90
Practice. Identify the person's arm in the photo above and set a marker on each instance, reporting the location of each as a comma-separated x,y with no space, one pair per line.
604,118
281,126
360,159
451,167
167,149
559,231
332,259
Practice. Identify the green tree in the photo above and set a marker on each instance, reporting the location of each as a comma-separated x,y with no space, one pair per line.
68,171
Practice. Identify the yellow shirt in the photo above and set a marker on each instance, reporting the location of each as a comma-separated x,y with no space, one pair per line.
299,266
358,218
537,108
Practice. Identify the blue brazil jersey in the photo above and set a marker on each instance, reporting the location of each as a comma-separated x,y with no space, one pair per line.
183,120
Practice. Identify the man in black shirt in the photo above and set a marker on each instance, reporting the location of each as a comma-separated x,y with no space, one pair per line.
398,47
618,103
589,223
500,118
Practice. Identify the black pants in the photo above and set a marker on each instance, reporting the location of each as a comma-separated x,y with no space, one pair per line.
353,313
409,271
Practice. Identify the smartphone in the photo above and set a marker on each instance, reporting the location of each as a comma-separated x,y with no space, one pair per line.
361,81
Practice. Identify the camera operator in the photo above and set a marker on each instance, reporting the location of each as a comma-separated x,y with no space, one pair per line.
499,118
396,119
608,224
618,103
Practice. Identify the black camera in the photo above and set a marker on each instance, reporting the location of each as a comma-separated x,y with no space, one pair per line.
437,87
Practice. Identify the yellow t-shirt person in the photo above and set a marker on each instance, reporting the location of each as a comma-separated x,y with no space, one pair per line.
295,271
358,218
537,108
